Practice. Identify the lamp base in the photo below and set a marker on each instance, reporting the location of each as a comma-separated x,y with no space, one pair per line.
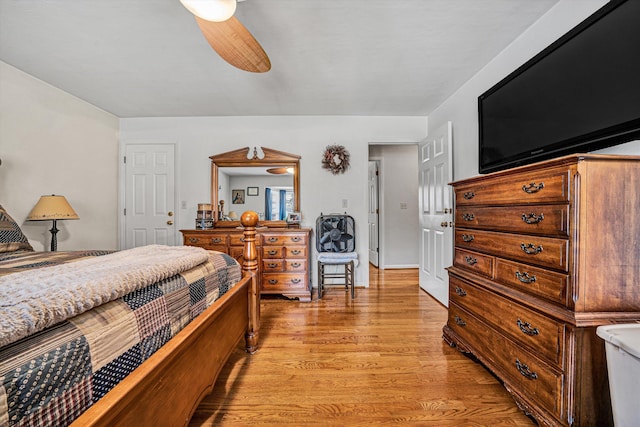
54,240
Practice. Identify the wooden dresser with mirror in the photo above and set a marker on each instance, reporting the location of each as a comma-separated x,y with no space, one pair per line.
283,251
544,254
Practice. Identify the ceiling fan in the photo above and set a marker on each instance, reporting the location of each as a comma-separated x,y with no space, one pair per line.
227,36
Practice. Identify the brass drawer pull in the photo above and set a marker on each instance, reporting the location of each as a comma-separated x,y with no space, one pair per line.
296,252
272,265
272,252
468,237
470,260
273,281
468,217
533,187
295,281
296,238
532,218
526,328
469,195
524,277
459,321
242,239
531,249
216,240
193,240
524,370
461,292
295,264
272,239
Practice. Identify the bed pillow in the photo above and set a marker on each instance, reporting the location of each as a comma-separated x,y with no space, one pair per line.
11,237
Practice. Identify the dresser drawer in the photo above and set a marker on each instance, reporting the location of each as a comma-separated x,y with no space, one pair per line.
236,239
216,243
473,261
543,186
295,265
296,252
544,219
270,265
542,335
284,239
283,281
544,283
272,252
537,250
532,377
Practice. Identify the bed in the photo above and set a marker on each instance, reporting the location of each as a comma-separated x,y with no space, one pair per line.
118,337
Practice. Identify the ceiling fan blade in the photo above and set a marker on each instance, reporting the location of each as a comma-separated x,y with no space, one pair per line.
235,44
277,171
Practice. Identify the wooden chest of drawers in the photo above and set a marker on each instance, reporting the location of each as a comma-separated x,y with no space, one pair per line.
283,256
544,254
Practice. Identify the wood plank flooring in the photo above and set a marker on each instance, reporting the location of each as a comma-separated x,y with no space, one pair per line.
377,359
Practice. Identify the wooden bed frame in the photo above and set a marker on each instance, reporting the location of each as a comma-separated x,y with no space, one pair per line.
167,388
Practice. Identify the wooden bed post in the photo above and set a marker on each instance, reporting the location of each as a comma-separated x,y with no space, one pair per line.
249,221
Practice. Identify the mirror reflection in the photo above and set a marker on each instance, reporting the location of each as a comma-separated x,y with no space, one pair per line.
265,190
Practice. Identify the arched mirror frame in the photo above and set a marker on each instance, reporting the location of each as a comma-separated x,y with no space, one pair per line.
241,158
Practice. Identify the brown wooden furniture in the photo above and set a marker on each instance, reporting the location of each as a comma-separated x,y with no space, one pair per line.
543,255
167,387
283,256
242,158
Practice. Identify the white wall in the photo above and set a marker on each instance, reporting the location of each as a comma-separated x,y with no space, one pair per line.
197,138
399,223
461,108
54,143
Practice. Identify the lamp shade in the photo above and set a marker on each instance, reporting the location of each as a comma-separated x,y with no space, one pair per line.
52,207
211,10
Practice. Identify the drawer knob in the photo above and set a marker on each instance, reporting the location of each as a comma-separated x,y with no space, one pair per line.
273,281
295,280
272,252
531,249
295,264
524,370
532,188
272,265
459,321
295,252
193,240
216,240
296,238
461,292
525,278
470,260
526,328
469,195
468,217
273,239
532,218
468,237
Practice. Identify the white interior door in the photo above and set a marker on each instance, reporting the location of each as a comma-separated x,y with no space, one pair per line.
435,202
374,206
149,195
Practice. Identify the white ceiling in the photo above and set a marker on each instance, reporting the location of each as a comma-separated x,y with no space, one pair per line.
147,58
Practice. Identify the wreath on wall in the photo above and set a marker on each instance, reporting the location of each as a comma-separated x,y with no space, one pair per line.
335,159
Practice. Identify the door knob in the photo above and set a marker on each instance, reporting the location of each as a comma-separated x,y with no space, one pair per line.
444,224
169,222
170,213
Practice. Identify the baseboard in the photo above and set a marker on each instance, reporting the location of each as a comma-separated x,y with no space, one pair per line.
398,267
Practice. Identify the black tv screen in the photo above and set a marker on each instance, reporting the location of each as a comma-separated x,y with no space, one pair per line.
580,94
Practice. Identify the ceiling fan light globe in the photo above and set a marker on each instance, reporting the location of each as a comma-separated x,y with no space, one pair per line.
211,10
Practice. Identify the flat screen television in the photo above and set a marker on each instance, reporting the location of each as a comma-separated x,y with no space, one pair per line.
580,94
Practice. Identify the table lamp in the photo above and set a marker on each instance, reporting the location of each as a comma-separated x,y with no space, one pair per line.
52,208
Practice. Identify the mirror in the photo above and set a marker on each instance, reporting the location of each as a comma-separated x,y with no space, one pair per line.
240,177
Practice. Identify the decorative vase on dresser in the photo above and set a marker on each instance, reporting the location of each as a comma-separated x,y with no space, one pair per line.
544,254
283,256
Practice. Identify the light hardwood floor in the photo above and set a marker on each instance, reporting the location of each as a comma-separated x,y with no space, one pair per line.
378,359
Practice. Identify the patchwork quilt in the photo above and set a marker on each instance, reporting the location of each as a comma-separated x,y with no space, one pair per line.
53,376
